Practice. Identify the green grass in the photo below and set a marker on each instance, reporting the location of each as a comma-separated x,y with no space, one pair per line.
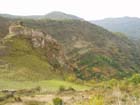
49,85
28,67
26,62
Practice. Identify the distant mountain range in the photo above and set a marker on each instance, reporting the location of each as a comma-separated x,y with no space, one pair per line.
56,15
127,25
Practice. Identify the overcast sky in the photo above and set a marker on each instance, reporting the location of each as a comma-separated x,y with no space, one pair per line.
87,9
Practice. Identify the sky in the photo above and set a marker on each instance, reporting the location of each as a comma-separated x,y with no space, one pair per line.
87,9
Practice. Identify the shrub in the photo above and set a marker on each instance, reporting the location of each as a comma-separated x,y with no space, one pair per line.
62,88
71,89
135,79
96,100
57,101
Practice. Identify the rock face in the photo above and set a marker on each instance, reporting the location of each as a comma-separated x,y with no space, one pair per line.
40,40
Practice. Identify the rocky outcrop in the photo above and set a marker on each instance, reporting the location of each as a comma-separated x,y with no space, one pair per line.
53,50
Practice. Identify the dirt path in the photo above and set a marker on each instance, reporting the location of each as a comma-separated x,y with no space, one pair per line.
68,98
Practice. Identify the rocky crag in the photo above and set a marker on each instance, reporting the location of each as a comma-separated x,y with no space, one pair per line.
42,49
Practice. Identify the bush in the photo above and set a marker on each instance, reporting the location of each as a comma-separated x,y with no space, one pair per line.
71,89
95,100
135,79
62,88
57,101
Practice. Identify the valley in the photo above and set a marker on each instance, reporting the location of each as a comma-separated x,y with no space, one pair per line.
62,59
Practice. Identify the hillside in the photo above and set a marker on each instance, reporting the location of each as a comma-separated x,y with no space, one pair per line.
92,52
128,25
28,54
96,51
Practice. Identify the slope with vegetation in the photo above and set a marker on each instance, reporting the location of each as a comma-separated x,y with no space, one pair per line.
92,52
93,49
28,54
